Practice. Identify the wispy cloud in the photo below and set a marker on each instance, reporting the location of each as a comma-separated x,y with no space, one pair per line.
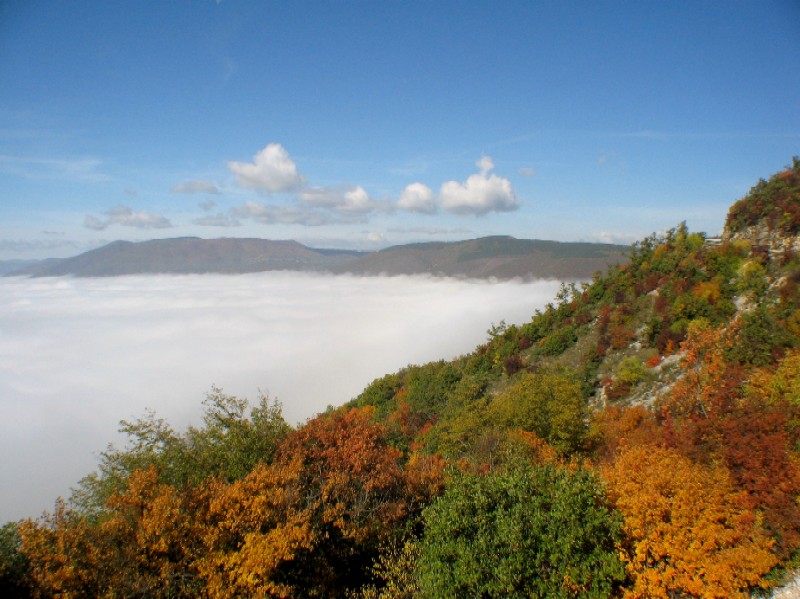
270,214
411,168
431,230
217,220
79,355
657,135
196,186
354,200
612,237
127,217
74,169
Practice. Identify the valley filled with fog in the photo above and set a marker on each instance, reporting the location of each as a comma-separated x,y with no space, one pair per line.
79,355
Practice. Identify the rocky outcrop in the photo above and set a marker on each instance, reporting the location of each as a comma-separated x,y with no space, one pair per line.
762,235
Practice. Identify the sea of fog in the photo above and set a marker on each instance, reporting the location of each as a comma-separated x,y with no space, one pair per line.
79,355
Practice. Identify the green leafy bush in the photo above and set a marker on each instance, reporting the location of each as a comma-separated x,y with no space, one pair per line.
541,532
630,371
549,403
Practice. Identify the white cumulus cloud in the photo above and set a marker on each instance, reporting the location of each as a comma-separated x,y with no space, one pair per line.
417,197
126,217
271,170
481,193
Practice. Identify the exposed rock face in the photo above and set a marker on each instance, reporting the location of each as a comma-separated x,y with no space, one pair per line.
764,236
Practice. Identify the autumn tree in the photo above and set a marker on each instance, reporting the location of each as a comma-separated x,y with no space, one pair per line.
780,387
714,415
229,444
687,529
357,493
252,530
616,427
64,555
754,445
151,535
145,545
710,379
14,566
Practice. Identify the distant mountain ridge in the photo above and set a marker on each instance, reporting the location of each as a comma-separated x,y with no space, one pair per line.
189,255
501,257
12,266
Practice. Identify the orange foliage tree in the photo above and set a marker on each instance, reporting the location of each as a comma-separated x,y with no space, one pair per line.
144,546
710,380
356,491
756,450
62,555
688,532
615,427
252,529
712,415
309,524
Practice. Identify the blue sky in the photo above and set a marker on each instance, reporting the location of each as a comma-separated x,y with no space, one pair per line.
368,123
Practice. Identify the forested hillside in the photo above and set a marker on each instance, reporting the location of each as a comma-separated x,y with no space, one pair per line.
639,437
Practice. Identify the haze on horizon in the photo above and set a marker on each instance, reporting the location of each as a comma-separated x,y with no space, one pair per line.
79,355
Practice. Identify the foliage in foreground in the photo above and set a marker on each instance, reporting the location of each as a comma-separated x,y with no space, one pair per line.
530,532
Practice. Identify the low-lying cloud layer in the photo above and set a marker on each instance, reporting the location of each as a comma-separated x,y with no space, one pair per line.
79,355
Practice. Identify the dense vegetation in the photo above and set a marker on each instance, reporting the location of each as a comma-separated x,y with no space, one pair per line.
773,202
639,437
